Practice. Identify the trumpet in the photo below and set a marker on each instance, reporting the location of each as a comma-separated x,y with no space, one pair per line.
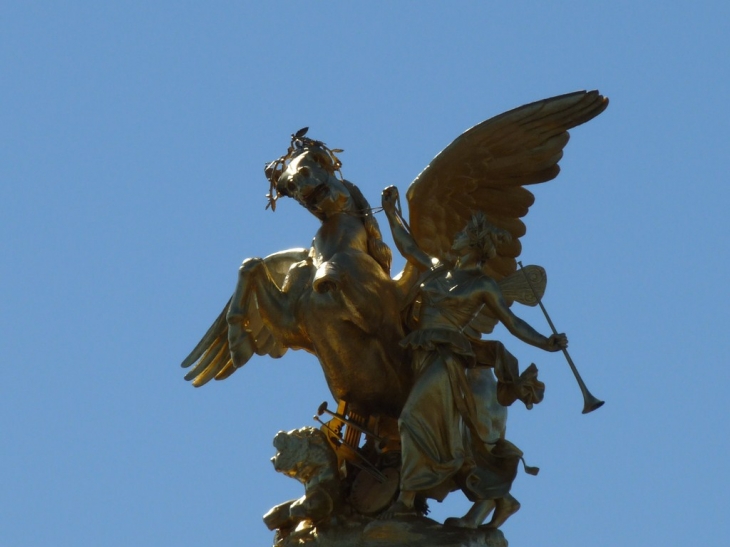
590,403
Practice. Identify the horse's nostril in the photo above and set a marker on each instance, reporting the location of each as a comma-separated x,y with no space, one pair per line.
291,186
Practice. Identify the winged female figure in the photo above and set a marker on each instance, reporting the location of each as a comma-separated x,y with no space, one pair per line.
438,454
337,298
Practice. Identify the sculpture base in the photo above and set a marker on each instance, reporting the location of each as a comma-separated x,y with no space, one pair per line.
400,532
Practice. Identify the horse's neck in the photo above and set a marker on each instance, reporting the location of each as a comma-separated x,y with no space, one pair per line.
339,232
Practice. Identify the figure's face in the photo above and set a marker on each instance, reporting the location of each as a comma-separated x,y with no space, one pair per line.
313,187
471,255
288,454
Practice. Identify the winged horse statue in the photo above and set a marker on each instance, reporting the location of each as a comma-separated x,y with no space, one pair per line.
337,299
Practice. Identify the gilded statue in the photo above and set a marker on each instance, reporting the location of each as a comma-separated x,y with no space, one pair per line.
419,410
336,299
436,451
305,455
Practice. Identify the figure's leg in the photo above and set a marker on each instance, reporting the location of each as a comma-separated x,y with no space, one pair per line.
432,446
432,450
506,507
402,507
474,517
492,418
280,517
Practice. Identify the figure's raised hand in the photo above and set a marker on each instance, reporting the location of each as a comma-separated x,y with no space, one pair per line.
557,342
390,199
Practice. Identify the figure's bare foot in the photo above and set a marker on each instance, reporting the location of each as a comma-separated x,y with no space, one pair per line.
398,509
474,517
506,507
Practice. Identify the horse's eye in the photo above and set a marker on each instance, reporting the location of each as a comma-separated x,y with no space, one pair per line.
291,186
305,171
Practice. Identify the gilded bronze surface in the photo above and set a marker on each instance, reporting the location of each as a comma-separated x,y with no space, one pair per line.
421,398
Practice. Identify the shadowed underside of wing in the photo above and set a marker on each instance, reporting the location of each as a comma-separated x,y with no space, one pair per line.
486,169
212,356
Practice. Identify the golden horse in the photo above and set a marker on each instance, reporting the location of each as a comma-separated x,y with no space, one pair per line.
335,300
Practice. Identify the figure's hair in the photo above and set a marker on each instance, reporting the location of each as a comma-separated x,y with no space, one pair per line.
482,236
376,246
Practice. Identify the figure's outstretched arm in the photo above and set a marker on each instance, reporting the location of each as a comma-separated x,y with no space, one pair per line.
519,328
402,237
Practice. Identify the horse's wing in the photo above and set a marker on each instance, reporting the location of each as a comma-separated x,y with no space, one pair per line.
487,168
212,355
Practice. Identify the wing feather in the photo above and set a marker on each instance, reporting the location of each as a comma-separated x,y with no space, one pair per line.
526,286
211,357
486,169
226,371
213,367
213,333
210,354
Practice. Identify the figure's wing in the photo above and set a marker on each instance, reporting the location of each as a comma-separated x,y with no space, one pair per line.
212,355
525,286
486,169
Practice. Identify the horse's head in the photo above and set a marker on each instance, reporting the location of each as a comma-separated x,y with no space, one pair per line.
309,179
307,173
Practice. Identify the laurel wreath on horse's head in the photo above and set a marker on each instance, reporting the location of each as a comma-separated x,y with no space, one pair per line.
300,144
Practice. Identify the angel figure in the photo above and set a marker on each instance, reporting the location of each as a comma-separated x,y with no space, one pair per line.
445,344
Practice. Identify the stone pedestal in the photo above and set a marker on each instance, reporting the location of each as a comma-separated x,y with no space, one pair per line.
402,532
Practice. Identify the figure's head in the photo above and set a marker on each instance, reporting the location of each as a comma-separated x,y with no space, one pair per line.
303,453
309,179
307,173
478,241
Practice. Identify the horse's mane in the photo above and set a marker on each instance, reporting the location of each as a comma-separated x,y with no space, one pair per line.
376,246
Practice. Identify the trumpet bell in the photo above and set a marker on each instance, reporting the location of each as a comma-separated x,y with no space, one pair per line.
590,403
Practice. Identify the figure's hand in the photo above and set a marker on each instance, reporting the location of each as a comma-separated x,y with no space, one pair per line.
557,342
389,199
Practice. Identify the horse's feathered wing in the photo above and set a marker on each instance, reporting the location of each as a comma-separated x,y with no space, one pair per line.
212,356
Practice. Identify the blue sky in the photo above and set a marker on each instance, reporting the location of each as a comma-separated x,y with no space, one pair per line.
132,141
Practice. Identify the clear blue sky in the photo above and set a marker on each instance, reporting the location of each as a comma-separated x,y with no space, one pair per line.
132,141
